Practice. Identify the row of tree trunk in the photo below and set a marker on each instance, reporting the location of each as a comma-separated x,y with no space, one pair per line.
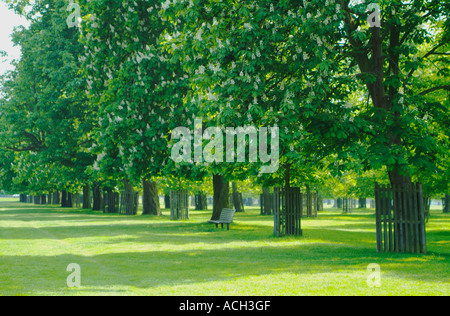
150,198
65,199
151,205
150,202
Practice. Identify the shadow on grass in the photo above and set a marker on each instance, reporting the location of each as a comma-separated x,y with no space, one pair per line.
249,249
357,231
151,270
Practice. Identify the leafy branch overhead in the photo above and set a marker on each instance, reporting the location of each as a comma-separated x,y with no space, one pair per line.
350,88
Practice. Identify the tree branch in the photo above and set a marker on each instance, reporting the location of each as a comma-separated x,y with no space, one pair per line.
445,54
445,87
431,52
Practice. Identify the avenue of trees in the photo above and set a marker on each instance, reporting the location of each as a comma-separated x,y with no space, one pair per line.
93,101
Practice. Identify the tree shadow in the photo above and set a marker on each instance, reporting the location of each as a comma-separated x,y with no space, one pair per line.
249,249
155,269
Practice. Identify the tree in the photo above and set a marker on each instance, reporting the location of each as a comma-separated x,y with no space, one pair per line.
307,56
242,74
387,60
138,87
45,112
150,199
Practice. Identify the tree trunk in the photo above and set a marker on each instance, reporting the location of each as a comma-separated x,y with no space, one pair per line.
398,179
319,202
381,100
385,102
427,205
200,202
109,203
86,196
266,202
64,198
69,200
221,196
167,201
362,202
97,197
309,201
127,200
150,199
128,188
237,198
56,197
339,203
374,63
447,203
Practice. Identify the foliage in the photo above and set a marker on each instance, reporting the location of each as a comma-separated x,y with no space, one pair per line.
347,97
45,114
137,87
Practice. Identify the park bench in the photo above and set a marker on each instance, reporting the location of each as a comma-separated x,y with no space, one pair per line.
226,217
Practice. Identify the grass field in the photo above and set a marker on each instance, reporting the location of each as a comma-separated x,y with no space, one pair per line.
121,255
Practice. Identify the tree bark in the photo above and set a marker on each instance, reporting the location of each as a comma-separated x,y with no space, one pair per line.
382,101
97,197
66,199
362,202
397,179
221,196
200,201
267,202
427,205
319,202
150,199
56,197
69,200
375,66
127,205
109,204
86,196
128,188
339,203
237,201
167,201
447,204
64,202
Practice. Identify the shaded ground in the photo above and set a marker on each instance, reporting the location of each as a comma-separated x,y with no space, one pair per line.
121,255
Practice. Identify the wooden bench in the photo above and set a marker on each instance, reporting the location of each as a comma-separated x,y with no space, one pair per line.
226,217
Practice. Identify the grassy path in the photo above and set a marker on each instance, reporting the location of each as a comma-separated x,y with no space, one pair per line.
121,255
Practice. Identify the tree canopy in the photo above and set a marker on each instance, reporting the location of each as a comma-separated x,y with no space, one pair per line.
341,88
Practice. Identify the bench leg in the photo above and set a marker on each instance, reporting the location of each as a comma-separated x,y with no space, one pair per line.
228,226
217,225
222,225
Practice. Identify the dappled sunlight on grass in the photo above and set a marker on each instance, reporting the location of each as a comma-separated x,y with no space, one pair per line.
148,255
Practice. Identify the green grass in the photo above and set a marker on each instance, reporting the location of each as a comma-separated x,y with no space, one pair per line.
121,255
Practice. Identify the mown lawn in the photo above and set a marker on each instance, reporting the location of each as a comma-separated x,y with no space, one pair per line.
121,255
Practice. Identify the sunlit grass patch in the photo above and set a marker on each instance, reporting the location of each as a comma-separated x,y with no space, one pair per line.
148,255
